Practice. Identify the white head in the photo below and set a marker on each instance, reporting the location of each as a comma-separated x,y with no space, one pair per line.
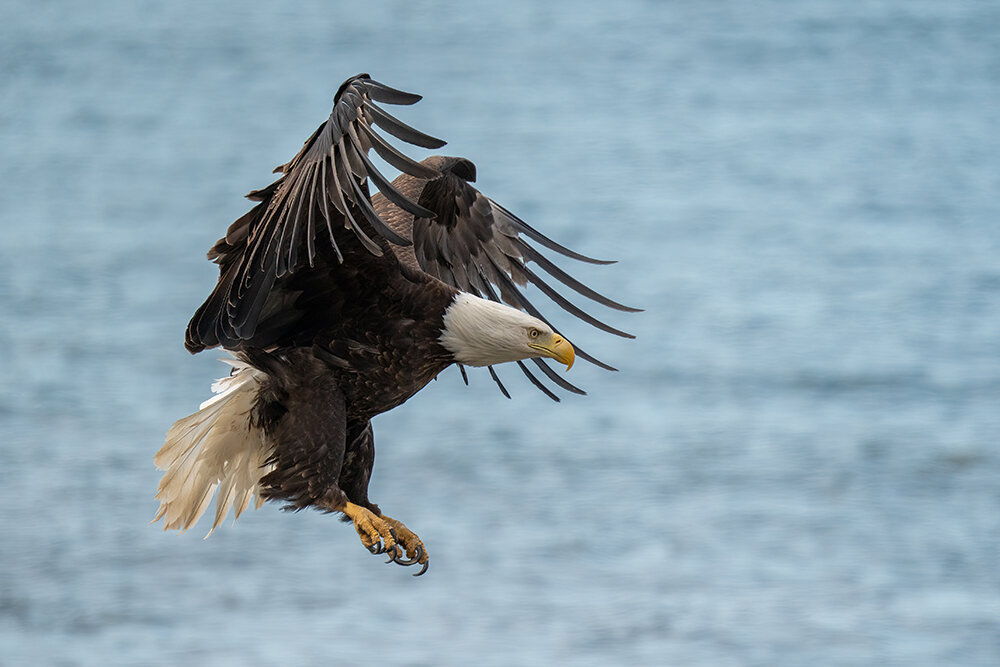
481,333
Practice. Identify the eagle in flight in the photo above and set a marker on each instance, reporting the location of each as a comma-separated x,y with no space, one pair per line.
337,306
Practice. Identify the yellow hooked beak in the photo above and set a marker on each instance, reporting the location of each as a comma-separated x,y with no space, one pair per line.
557,348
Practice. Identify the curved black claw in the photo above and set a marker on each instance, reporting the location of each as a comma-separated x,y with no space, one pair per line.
376,548
395,552
423,569
411,561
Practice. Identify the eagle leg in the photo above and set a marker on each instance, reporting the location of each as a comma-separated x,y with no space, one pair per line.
411,543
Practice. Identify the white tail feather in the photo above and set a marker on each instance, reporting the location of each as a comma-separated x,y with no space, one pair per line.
215,448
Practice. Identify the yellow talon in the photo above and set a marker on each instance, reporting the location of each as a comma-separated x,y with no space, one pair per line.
414,547
383,534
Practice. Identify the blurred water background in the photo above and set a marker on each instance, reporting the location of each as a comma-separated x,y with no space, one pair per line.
797,463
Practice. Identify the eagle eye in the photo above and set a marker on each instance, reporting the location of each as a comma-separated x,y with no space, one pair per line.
533,333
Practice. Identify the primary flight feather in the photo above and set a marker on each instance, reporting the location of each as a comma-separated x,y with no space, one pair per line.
338,306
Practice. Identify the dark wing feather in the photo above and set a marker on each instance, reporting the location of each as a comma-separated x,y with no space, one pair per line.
322,190
478,246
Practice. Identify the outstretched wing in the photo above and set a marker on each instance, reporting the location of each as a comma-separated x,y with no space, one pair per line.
323,189
478,246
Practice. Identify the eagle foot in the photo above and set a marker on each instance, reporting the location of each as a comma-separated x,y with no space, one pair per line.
413,546
384,535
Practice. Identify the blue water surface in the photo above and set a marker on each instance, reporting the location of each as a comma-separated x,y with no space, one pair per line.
796,464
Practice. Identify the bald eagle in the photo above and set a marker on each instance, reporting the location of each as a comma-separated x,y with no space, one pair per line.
337,306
